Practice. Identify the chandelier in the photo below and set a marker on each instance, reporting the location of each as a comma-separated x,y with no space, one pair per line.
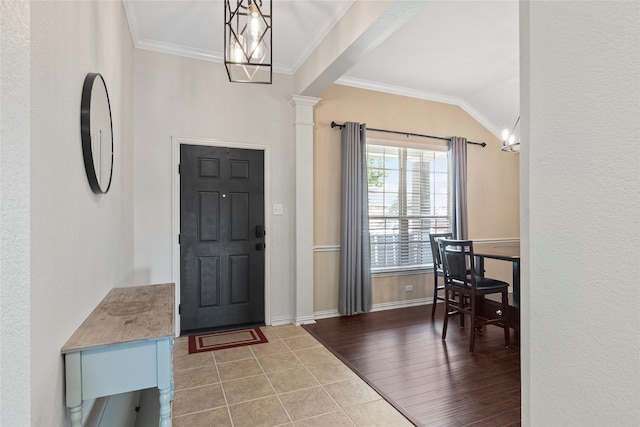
511,142
247,40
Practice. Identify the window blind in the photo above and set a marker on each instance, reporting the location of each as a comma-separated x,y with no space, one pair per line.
408,199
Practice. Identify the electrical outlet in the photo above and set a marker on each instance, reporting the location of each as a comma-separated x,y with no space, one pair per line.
408,288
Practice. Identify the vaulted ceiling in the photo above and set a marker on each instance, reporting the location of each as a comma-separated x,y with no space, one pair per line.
459,52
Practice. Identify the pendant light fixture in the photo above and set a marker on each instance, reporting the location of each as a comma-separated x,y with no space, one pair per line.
247,41
511,142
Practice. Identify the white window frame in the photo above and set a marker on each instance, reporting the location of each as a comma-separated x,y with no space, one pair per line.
405,243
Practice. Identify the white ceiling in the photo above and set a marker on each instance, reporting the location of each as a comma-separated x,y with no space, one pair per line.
460,52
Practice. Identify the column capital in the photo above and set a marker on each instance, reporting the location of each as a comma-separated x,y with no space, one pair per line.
303,101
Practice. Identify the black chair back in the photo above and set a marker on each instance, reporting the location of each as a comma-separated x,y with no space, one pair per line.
462,289
458,262
437,267
435,249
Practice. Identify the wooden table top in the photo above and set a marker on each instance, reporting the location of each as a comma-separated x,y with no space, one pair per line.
503,250
137,313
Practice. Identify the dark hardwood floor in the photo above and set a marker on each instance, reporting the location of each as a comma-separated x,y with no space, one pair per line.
433,383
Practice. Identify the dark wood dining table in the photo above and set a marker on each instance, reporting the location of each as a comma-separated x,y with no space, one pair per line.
504,251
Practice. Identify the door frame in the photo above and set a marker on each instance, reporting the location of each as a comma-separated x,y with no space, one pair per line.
176,141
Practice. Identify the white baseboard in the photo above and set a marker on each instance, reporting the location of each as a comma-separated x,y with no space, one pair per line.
305,320
401,304
278,321
378,307
286,320
326,314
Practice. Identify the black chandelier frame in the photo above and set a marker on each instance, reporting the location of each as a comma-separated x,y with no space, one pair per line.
236,18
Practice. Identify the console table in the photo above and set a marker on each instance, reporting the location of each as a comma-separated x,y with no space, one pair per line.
125,344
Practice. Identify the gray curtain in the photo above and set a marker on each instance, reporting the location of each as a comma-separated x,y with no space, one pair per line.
458,151
355,262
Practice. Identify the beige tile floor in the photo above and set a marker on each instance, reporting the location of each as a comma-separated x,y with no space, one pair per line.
290,381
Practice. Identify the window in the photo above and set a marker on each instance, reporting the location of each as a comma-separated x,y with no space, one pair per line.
408,199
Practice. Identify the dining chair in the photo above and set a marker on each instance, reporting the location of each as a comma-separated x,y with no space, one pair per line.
460,278
437,267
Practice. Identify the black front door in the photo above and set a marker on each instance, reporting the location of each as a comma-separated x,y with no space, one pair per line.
221,237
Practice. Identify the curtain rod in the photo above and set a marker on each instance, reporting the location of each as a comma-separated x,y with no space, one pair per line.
408,134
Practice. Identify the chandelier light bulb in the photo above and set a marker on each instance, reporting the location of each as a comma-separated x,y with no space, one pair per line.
236,49
255,24
256,49
510,139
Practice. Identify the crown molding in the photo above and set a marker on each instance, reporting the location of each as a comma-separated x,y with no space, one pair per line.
427,96
189,52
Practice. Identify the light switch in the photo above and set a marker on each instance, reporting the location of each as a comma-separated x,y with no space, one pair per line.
278,209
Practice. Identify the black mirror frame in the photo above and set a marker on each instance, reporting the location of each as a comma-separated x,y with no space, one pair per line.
85,132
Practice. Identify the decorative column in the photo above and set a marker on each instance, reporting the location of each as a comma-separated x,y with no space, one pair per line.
303,124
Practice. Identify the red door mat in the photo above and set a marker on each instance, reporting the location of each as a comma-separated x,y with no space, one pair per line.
228,339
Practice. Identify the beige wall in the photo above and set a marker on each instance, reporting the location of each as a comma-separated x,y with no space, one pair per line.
188,98
492,182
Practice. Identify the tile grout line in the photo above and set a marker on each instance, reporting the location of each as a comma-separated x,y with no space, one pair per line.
290,350
271,384
193,388
340,408
224,394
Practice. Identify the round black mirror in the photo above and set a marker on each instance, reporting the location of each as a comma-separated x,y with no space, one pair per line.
97,133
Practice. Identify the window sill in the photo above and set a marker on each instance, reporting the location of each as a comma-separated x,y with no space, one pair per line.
402,271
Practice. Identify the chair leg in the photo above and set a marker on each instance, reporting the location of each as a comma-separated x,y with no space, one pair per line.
472,329
505,318
435,293
446,314
462,297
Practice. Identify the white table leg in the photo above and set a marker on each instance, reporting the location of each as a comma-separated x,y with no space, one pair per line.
165,374
75,416
73,373
165,408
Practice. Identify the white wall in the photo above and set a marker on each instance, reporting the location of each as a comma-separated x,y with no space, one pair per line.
15,351
581,147
81,245
182,97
